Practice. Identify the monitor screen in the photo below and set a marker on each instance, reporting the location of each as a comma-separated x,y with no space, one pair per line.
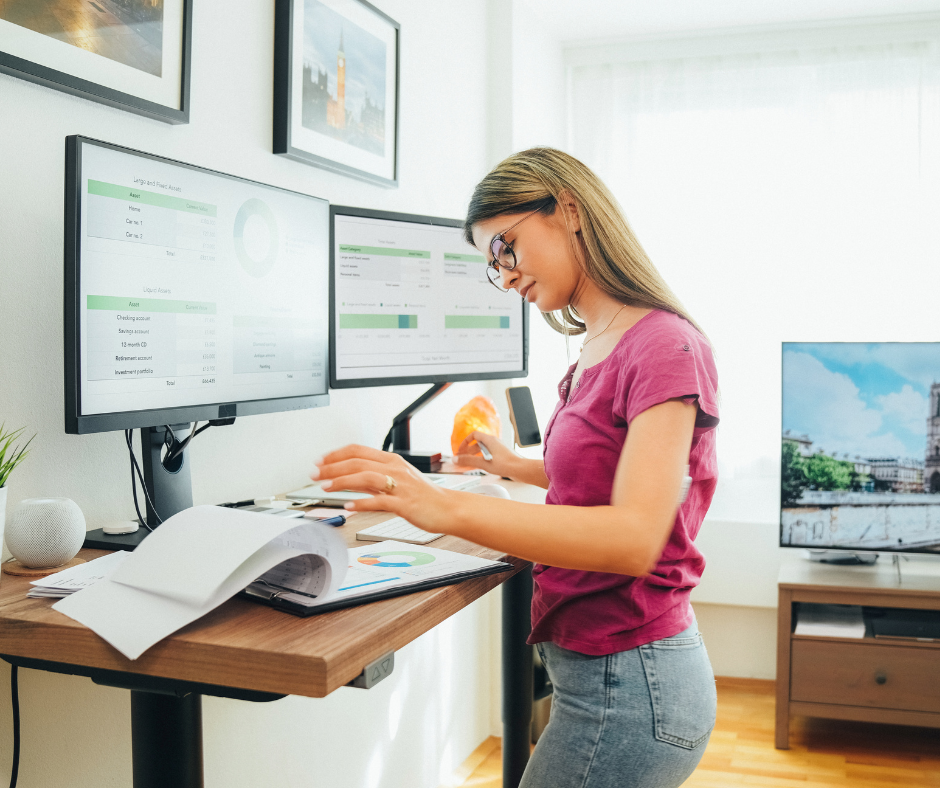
860,458
189,294
410,303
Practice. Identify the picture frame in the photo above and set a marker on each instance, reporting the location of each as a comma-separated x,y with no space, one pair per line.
336,87
133,55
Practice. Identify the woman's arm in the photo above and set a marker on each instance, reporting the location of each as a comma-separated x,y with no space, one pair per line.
504,463
626,537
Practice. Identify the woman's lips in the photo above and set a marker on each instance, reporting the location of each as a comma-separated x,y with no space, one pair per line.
525,290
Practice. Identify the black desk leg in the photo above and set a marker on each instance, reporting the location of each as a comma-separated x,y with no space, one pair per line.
166,735
517,677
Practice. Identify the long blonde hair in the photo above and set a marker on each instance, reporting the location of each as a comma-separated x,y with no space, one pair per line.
536,180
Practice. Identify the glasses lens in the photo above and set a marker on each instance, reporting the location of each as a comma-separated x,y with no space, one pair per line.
494,276
502,253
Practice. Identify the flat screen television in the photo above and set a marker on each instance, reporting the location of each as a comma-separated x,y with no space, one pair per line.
860,449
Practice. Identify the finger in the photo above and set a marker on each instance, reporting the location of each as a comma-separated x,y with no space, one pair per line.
469,460
344,468
376,503
367,481
466,444
355,451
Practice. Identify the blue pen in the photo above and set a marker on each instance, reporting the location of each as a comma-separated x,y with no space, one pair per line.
336,522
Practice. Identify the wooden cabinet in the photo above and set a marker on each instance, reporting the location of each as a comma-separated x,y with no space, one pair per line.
873,680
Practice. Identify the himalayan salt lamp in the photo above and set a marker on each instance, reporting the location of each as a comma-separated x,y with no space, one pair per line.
478,414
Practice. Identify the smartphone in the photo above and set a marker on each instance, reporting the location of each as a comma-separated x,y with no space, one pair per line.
522,414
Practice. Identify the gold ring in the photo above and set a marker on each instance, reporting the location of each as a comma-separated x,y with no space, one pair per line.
390,484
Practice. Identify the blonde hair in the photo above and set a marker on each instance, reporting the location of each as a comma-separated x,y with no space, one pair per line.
536,180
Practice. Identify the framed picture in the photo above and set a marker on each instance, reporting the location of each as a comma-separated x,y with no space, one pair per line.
129,54
336,68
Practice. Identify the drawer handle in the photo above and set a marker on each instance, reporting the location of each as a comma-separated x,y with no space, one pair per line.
880,678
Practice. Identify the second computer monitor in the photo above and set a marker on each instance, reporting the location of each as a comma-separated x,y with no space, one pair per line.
410,303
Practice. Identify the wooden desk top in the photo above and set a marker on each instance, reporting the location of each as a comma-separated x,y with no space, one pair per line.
249,646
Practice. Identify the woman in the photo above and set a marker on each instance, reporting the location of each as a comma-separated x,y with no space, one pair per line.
634,696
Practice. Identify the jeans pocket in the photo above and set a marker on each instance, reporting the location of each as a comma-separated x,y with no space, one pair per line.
682,690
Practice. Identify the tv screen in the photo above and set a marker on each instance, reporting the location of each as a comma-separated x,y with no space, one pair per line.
860,456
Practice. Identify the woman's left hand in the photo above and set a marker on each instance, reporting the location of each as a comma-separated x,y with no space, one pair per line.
395,484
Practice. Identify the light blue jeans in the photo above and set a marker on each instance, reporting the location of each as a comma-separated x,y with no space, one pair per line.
636,719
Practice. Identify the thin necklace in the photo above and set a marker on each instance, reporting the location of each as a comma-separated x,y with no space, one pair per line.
605,328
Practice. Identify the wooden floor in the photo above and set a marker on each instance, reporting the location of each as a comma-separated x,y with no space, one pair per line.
822,754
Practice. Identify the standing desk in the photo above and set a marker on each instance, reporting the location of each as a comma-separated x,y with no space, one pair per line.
250,652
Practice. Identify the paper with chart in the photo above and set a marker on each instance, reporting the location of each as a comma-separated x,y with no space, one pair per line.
194,562
376,567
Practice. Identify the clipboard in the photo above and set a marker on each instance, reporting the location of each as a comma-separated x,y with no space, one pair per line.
284,599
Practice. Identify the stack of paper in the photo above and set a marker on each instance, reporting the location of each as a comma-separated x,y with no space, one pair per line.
834,621
68,581
194,562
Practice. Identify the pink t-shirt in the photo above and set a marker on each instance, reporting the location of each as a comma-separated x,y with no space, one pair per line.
661,357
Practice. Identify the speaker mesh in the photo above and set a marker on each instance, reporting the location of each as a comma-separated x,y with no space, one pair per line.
45,531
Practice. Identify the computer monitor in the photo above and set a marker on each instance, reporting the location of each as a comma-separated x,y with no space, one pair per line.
860,456
189,295
410,303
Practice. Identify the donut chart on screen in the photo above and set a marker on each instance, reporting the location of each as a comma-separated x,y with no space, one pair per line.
397,559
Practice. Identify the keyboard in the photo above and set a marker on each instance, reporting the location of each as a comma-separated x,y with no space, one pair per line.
399,529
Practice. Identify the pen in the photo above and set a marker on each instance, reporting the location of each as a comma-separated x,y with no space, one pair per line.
238,504
336,522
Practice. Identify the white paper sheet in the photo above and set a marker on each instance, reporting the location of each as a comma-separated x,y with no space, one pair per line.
158,591
68,581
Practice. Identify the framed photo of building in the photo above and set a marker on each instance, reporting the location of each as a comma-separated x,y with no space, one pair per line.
336,65
129,54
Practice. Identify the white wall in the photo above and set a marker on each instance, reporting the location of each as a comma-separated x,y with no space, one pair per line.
408,731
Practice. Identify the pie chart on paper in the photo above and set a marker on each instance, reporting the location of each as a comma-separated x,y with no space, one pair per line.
397,559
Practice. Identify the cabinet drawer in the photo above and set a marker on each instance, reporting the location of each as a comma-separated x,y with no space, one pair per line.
884,677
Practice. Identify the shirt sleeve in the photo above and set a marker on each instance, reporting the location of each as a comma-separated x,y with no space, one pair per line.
674,362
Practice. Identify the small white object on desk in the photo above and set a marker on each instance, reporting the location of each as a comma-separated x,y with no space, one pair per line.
123,527
492,490
45,532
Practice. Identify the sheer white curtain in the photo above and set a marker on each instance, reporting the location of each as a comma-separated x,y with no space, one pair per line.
785,195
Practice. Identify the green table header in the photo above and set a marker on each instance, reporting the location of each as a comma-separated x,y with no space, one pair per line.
464,258
103,189
385,251
120,304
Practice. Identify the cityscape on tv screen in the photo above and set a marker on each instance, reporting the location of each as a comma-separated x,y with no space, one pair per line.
860,453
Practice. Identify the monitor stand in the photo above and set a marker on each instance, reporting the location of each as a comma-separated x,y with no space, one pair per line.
399,437
844,557
171,489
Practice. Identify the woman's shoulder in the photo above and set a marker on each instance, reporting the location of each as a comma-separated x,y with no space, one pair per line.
660,331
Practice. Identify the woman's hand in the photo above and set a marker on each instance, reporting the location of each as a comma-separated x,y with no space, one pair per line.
469,454
395,484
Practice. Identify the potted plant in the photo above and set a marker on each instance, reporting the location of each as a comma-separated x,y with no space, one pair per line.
10,457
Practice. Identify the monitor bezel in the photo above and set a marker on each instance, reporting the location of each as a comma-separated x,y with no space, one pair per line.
75,422
346,210
848,550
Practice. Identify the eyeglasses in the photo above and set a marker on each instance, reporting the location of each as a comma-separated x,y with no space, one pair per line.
503,255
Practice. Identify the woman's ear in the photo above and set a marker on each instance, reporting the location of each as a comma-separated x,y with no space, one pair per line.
569,207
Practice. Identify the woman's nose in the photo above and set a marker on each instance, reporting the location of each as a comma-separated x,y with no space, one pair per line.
508,278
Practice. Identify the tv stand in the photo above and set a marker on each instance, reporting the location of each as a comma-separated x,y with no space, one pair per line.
887,680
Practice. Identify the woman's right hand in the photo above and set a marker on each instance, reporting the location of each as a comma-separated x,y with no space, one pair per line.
469,455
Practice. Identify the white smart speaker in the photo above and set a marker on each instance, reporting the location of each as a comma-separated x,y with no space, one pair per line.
45,532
